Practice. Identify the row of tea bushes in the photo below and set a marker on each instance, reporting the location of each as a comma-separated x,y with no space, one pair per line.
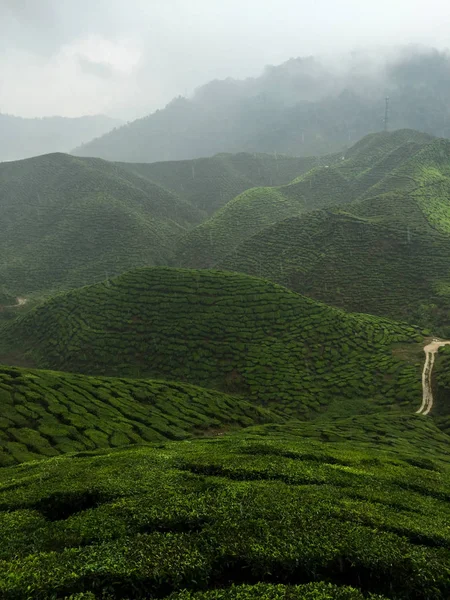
224,330
199,516
44,413
353,263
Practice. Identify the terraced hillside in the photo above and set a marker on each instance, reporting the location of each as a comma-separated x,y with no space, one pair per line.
355,263
209,183
373,160
68,221
45,413
265,514
228,331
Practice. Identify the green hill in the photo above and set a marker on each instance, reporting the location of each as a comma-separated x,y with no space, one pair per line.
354,263
228,331
264,514
354,176
209,183
45,413
68,221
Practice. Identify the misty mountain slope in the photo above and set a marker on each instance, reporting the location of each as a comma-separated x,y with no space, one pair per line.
352,176
301,107
68,221
209,183
228,331
23,138
354,263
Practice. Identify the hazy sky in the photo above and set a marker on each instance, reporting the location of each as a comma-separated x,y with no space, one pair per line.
128,57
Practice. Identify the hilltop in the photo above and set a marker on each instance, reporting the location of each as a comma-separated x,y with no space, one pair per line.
227,331
353,176
72,221
23,137
302,108
354,263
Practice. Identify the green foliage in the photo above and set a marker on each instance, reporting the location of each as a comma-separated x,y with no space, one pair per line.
354,263
209,183
68,221
334,182
215,329
260,514
44,413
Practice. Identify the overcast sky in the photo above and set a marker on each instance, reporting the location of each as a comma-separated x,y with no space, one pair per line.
126,58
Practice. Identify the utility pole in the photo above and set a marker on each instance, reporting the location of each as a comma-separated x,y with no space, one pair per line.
386,115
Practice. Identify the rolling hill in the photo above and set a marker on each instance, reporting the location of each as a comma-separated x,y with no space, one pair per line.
354,263
379,244
24,138
68,221
221,330
209,183
371,161
303,107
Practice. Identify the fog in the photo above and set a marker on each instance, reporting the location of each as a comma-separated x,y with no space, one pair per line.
128,58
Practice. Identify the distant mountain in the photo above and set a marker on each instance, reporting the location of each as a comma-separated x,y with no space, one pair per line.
23,138
301,108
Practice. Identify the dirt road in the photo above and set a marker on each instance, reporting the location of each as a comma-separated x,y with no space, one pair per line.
430,354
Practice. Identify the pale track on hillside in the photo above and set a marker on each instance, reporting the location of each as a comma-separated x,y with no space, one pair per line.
430,354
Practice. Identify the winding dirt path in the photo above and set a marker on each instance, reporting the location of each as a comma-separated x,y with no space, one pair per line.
19,302
430,354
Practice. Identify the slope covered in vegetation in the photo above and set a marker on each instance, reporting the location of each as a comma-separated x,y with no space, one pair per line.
45,413
371,161
68,221
263,514
229,331
354,263
209,183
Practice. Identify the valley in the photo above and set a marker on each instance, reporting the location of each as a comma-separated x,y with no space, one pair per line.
227,377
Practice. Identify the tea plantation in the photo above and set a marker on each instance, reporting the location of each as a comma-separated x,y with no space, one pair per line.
227,331
247,516
209,183
355,263
181,434
44,413
334,182
68,221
